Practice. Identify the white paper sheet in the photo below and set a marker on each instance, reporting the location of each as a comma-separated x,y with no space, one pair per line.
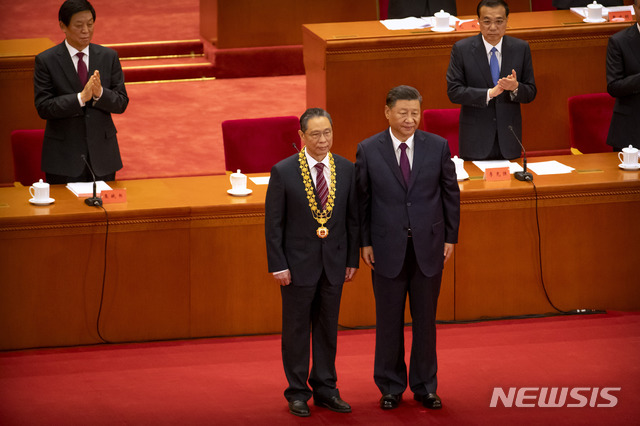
549,168
85,189
260,180
410,23
513,167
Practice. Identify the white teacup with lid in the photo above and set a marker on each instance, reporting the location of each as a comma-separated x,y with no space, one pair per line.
40,193
238,184
594,12
629,158
442,20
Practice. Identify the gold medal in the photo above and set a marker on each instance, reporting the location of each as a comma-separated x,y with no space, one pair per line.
320,216
322,232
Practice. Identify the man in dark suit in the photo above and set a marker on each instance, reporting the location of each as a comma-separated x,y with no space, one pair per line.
77,86
311,229
490,85
623,83
405,8
410,211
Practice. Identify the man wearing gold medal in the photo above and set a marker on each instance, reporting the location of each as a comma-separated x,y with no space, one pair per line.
312,234
410,211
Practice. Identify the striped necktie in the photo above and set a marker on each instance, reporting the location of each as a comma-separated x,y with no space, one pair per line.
321,185
495,67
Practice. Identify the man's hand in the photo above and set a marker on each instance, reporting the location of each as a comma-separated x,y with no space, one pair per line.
351,272
366,253
283,278
448,251
97,85
496,91
509,82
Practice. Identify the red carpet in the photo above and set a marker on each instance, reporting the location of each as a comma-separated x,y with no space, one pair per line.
240,381
173,129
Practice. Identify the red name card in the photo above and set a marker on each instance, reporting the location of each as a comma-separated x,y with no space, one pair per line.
114,196
467,26
497,173
620,16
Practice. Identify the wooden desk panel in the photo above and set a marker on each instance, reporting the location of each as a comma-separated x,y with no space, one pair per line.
184,259
351,66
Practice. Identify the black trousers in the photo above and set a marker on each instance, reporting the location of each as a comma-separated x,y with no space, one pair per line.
390,370
310,313
86,176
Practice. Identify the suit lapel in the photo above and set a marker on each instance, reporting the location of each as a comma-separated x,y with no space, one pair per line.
419,154
66,64
94,59
507,57
480,55
386,150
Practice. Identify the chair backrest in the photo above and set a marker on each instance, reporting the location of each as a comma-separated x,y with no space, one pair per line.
445,123
27,155
255,145
589,120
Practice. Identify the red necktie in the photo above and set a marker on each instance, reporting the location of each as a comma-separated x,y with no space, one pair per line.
82,69
321,185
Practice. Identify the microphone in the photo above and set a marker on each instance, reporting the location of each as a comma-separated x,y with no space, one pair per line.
295,147
524,174
95,200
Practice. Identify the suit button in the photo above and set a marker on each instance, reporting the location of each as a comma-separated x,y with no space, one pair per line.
409,204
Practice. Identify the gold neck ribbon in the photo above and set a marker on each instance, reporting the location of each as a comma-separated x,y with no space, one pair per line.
323,216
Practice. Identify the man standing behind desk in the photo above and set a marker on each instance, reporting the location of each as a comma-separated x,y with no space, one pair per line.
490,75
410,210
623,83
311,228
77,86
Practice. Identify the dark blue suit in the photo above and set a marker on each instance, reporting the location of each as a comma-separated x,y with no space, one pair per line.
430,208
469,78
73,130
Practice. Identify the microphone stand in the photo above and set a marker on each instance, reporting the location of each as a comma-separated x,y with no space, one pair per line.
524,175
95,200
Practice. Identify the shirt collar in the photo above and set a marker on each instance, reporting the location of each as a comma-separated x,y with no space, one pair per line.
72,50
312,161
396,142
488,46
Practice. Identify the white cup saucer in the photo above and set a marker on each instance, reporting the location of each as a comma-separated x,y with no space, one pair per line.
442,29
594,21
239,192
629,167
43,202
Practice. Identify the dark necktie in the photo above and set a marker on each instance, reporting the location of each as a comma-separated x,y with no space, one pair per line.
495,67
404,163
321,185
82,69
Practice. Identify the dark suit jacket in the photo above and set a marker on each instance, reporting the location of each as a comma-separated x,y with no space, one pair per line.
73,130
468,79
430,206
623,83
418,8
290,229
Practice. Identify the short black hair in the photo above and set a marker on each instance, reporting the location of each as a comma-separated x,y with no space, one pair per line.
402,93
492,4
71,7
313,113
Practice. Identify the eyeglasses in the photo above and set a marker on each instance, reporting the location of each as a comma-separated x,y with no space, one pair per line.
316,135
488,22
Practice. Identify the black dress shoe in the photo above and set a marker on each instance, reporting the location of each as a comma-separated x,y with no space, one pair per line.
299,408
431,400
390,401
334,403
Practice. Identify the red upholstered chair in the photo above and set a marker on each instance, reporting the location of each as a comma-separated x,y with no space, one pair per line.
445,123
255,145
589,120
27,155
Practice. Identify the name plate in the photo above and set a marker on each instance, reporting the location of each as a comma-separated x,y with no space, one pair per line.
114,196
620,16
496,174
